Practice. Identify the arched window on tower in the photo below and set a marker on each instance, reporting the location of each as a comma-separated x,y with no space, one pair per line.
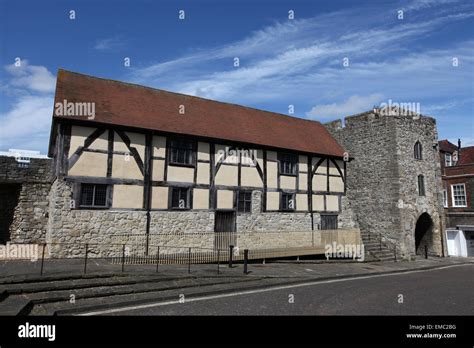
421,185
418,151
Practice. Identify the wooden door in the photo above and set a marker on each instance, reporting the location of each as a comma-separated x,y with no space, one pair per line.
224,228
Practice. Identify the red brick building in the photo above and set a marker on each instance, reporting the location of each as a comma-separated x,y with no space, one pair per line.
457,167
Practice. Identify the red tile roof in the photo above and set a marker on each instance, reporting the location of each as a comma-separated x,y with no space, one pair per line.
447,146
119,103
467,155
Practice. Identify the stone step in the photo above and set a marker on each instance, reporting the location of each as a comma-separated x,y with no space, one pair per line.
3,294
15,305
391,255
81,283
64,296
384,255
98,303
378,251
375,247
24,279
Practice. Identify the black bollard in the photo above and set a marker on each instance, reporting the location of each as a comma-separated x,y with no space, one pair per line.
231,252
246,259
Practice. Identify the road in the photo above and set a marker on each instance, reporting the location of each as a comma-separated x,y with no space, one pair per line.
446,291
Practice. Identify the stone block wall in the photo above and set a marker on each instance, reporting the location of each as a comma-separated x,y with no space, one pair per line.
383,177
411,204
107,230
26,191
69,229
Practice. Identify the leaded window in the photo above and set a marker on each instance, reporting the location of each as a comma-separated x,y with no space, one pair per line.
94,195
181,152
287,163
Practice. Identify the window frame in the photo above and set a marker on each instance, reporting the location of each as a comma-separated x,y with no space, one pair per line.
245,202
170,147
421,188
282,207
453,201
446,159
334,216
188,198
94,206
418,151
283,158
445,198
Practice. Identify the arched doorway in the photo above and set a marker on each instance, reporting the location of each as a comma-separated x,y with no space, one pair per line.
423,232
9,195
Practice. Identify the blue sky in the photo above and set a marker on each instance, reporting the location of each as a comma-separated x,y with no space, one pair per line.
282,61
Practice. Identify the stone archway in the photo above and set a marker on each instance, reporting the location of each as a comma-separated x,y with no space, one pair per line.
423,233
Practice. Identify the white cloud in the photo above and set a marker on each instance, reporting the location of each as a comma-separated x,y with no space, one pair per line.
423,4
267,42
431,109
353,105
109,43
31,77
27,123
277,60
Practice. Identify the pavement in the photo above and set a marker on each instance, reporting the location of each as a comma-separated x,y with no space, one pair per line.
63,289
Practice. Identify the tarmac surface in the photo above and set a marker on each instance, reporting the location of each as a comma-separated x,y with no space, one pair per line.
317,287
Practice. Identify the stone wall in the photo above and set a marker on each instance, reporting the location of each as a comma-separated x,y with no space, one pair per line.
382,178
411,204
107,230
25,190
297,221
69,229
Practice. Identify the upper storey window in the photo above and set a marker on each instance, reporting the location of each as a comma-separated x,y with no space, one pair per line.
448,159
181,152
287,163
418,151
459,195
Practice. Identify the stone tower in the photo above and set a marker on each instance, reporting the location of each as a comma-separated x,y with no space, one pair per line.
385,176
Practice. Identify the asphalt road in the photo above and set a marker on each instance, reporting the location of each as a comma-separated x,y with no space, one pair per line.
445,291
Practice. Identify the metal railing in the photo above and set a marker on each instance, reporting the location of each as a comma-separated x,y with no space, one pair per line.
171,251
116,257
87,257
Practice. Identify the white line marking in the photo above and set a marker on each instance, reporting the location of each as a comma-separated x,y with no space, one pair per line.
256,291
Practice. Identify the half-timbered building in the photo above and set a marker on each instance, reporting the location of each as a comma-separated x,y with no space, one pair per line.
135,160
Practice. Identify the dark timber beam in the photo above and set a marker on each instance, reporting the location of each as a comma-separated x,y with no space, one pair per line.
89,140
132,150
